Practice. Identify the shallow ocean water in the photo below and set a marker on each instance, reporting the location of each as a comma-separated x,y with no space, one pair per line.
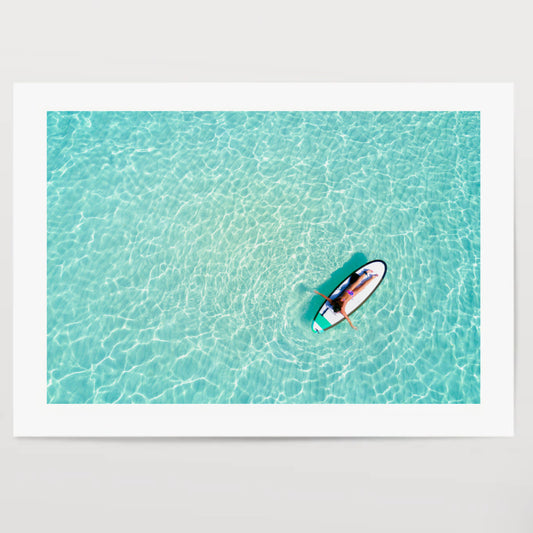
183,249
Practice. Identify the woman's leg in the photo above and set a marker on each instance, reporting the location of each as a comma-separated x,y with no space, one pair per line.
362,286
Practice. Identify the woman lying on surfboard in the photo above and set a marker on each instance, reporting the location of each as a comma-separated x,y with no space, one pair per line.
356,285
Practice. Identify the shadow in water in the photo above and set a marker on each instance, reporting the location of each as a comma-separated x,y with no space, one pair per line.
356,261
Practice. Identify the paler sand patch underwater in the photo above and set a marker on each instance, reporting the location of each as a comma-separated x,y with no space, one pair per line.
183,249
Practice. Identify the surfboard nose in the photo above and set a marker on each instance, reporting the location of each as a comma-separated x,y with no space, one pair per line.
317,328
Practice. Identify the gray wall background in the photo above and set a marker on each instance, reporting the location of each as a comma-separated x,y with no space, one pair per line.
415,485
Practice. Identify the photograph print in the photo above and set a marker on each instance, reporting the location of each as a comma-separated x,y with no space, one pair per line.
263,257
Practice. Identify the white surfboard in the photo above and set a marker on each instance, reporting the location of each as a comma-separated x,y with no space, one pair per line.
327,318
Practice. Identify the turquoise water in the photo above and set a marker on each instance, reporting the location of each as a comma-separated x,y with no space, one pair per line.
183,249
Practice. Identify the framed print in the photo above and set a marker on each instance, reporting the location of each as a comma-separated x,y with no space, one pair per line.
263,259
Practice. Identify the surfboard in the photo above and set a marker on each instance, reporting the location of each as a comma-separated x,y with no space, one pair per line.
326,318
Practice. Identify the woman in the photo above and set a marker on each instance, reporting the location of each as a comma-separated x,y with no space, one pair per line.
357,283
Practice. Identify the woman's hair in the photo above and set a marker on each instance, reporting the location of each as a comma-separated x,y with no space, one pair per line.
336,305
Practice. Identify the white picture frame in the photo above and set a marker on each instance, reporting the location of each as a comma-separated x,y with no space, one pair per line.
493,416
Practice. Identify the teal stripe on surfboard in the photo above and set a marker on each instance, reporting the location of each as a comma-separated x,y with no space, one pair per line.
322,322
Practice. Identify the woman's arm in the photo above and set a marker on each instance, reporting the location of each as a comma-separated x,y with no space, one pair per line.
324,296
347,317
